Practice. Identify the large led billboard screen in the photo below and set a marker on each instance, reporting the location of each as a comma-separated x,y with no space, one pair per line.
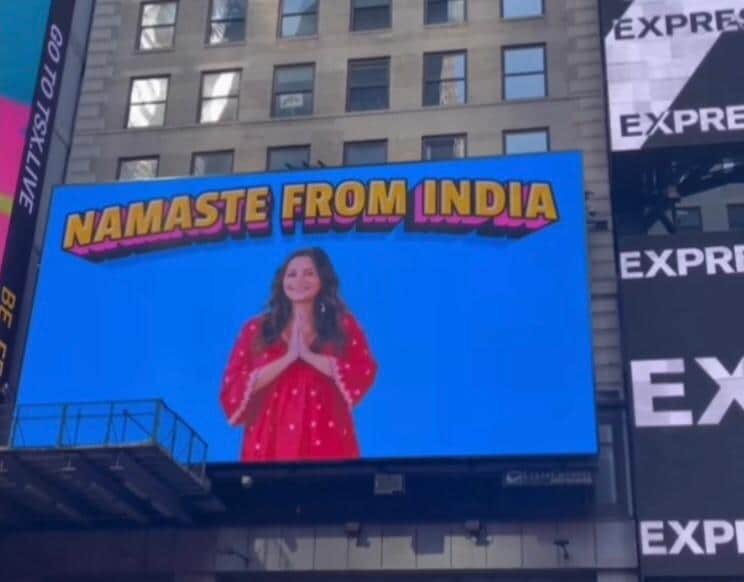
399,311
673,75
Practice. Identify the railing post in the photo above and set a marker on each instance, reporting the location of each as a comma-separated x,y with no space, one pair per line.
173,438
76,438
191,445
62,426
124,415
107,439
156,422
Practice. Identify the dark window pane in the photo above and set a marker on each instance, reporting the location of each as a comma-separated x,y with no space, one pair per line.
444,66
370,14
139,169
524,142
369,74
369,85
736,216
444,147
365,152
444,75
368,99
445,11
522,8
294,79
212,163
287,158
445,93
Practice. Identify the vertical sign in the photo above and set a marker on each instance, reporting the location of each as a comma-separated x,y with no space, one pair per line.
32,66
683,326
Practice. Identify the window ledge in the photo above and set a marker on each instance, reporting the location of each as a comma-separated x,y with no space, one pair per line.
436,25
225,44
315,36
154,51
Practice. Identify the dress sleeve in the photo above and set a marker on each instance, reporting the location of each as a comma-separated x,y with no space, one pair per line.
354,368
241,375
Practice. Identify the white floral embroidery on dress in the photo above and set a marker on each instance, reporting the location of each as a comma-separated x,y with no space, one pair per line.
249,388
340,382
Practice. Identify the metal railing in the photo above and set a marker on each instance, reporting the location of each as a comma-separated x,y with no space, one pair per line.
126,423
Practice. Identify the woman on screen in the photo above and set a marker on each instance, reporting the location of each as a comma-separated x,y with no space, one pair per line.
297,371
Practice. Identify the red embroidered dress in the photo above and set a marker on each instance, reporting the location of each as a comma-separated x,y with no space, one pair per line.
303,415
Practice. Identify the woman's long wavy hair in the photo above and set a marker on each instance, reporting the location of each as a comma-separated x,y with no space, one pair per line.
328,310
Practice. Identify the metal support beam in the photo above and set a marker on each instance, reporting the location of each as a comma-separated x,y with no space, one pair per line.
33,489
85,476
143,484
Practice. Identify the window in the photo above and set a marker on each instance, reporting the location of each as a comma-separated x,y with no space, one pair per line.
293,90
226,21
157,25
521,8
288,157
611,490
524,72
370,14
444,11
445,78
212,163
137,168
526,141
359,153
219,96
688,219
444,147
369,85
735,216
299,18
147,100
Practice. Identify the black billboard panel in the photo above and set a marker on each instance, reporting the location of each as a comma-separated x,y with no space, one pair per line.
683,326
672,72
32,66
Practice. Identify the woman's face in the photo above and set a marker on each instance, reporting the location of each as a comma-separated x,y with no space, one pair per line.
301,280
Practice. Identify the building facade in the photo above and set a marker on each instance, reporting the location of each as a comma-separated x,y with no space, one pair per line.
173,88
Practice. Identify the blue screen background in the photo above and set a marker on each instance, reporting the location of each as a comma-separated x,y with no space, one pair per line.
483,344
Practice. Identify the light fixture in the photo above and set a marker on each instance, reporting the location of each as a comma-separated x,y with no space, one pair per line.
352,529
475,528
246,481
562,544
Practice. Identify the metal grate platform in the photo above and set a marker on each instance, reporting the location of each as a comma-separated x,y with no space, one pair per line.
110,463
